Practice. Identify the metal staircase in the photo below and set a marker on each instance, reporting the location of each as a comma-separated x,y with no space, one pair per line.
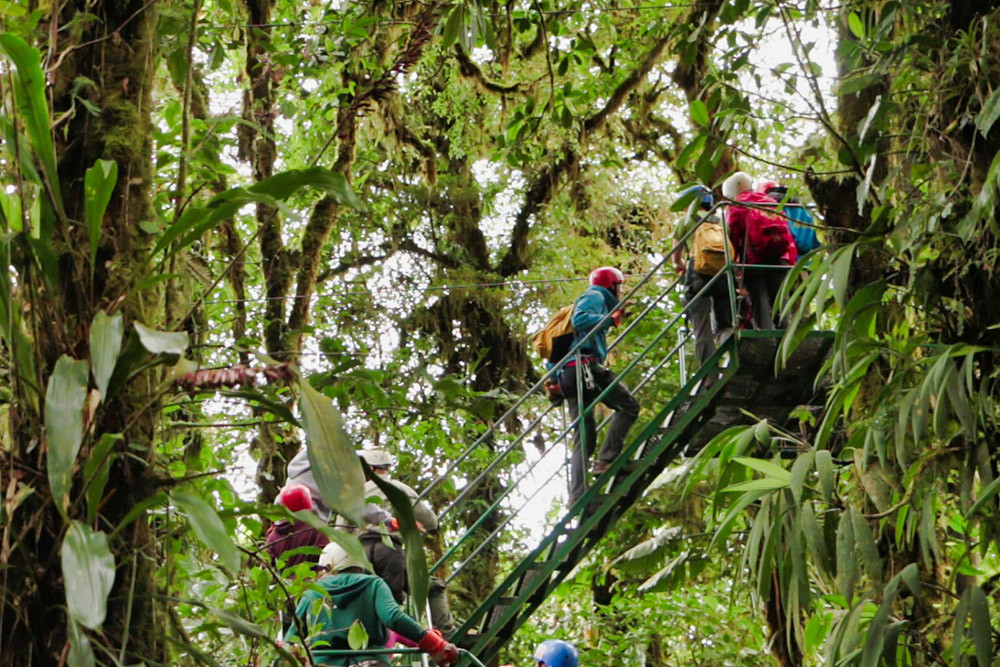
738,379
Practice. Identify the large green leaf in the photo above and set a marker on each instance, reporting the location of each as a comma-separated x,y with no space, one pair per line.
847,559
81,653
162,342
334,462
29,95
357,637
982,631
98,184
105,344
199,219
209,528
988,115
64,401
88,574
699,112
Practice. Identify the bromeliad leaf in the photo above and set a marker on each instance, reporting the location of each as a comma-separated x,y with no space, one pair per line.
766,483
766,467
331,454
64,401
105,344
209,528
88,574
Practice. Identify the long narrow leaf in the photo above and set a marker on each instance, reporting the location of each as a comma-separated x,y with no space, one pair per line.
29,95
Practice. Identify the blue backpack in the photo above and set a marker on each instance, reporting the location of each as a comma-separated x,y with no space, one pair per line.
805,236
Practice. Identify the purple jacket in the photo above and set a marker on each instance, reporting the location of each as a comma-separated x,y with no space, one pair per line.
285,535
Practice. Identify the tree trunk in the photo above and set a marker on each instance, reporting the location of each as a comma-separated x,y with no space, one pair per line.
118,52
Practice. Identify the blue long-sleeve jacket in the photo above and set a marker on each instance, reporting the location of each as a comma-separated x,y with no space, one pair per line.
595,303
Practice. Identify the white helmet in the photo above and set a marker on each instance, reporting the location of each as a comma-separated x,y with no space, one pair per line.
376,458
336,558
736,185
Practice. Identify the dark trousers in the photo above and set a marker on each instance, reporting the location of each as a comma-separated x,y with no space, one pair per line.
714,301
618,399
762,286
389,563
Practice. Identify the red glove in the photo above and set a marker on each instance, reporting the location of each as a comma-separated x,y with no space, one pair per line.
616,317
394,525
442,652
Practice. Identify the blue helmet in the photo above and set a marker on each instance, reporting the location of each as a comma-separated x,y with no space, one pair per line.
707,198
556,653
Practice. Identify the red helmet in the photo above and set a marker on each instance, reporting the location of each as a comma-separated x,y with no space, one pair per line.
764,186
607,276
296,497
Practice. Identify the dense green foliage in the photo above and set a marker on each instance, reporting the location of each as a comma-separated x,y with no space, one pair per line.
371,205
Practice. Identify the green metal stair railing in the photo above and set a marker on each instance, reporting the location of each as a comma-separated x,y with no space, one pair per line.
659,440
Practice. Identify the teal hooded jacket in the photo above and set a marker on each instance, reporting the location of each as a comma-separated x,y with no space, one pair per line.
345,597
595,303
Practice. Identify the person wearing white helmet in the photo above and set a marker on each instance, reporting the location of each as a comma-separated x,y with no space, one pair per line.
348,594
384,545
763,238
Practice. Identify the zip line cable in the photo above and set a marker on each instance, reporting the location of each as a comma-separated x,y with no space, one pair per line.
550,12
430,288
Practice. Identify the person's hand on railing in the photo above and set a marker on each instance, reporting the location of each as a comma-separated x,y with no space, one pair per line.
618,315
441,651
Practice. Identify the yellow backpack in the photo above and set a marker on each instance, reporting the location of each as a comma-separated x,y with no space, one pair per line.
710,248
556,337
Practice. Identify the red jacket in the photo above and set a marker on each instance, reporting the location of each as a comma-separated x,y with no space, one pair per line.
739,216
284,536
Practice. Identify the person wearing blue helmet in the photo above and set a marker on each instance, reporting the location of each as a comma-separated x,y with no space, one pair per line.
556,653
706,259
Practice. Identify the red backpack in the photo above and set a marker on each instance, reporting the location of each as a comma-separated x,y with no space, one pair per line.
767,232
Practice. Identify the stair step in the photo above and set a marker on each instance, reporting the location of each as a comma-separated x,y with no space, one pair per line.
751,384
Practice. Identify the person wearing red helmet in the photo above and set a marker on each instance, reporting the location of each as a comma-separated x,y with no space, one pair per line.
296,535
589,313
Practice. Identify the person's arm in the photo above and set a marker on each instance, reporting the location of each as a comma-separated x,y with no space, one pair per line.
679,264
736,217
588,312
422,511
393,617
